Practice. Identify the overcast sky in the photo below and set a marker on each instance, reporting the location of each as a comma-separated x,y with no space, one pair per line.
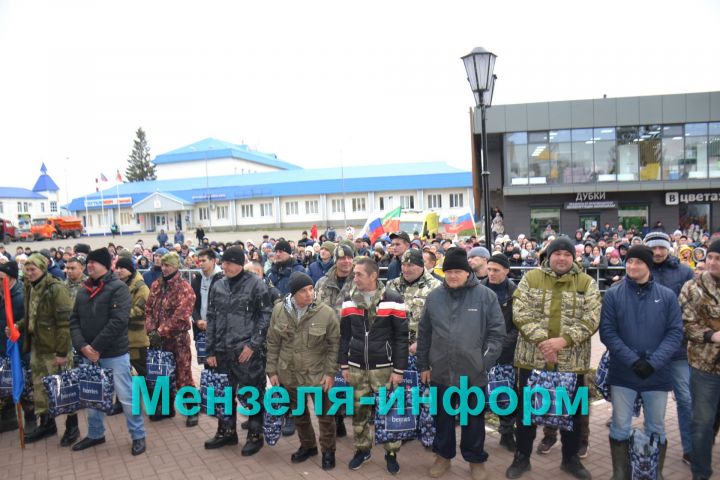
317,83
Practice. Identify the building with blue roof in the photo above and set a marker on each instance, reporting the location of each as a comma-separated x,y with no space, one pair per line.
20,205
226,186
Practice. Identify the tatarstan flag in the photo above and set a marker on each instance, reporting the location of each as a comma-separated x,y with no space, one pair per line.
391,220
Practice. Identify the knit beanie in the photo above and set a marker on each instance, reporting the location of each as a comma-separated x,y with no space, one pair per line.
414,257
714,246
658,239
127,264
10,269
345,249
641,252
283,246
38,261
101,256
329,246
172,259
561,243
298,281
234,255
456,259
479,252
500,259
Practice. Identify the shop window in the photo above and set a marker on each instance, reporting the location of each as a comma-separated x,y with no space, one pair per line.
582,155
650,143
541,217
695,215
628,149
633,216
516,158
560,156
695,163
673,153
605,168
714,150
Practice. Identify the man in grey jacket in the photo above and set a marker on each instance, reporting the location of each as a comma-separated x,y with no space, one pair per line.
461,334
238,317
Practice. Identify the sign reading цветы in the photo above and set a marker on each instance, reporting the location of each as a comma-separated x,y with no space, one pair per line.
675,198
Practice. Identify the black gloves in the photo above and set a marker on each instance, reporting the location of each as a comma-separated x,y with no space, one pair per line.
643,369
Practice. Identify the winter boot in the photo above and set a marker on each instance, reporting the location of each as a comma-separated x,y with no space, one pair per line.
8,418
225,435
72,432
661,459
620,454
253,444
47,428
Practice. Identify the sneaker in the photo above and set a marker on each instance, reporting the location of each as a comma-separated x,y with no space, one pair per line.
574,467
393,467
520,465
686,458
546,444
583,450
361,456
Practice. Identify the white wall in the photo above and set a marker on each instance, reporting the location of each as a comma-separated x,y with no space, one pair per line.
10,208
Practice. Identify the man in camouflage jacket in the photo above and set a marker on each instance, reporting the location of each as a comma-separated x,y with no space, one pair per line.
414,284
167,322
700,300
556,310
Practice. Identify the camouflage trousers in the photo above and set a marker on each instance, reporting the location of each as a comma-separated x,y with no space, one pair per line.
365,383
179,345
42,365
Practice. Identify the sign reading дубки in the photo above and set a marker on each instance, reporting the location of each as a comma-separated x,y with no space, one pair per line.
676,198
590,201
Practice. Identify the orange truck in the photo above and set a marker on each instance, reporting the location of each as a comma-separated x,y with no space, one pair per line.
56,227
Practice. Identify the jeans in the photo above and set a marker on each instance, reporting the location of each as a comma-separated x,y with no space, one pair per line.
654,405
525,435
472,435
683,399
705,388
123,390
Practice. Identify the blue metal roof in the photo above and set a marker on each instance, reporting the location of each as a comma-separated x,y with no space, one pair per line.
211,148
24,193
45,184
296,182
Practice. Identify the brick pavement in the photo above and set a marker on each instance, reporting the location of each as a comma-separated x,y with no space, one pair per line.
176,452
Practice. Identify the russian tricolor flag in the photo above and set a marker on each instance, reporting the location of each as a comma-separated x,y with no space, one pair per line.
375,230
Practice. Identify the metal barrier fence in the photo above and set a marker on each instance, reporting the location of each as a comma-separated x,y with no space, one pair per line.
597,273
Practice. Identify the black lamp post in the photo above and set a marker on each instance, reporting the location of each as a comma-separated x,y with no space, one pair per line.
479,65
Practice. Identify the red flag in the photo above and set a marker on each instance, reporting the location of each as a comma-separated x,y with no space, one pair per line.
14,333
119,177
103,177
97,186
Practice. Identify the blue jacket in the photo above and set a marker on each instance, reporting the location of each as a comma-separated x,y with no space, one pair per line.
151,275
318,269
279,275
17,296
394,270
673,275
641,322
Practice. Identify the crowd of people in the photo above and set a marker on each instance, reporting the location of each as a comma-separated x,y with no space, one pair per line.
294,313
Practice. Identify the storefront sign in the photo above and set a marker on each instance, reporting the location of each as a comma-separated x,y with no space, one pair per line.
590,196
675,198
597,205
108,202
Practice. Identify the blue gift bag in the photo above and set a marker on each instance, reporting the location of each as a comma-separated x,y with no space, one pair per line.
601,376
272,425
395,427
200,346
63,391
160,364
218,381
501,375
6,380
426,422
644,456
551,381
97,387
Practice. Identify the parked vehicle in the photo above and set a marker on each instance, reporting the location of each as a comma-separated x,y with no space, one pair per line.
56,227
8,232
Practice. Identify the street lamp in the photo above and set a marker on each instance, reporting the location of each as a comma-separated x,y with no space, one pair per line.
479,65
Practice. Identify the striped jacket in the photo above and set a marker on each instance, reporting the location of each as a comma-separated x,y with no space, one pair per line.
373,336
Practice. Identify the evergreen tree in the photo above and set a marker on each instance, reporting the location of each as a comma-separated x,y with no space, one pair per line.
139,166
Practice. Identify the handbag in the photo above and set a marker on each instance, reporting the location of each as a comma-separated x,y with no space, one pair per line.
551,381
393,426
272,425
63,392
501,375
6,380
97,387
200,346
218,381
160,364
426,422
601,376
644,456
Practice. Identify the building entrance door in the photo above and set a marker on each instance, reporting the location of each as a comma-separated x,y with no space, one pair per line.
589,220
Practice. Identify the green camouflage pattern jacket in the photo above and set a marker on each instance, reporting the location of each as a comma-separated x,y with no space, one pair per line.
700,302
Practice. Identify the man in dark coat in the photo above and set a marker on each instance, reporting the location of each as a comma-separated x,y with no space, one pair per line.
237,319
99,331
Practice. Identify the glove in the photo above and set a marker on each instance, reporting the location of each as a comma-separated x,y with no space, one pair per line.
155,340
643,369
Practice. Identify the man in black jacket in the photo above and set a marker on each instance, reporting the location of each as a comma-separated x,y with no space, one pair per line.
238,317
99,331
498,268
373,352
461,334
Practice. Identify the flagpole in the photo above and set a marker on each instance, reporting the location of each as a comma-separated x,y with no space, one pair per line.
117,192
13,352
87,215
102,212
